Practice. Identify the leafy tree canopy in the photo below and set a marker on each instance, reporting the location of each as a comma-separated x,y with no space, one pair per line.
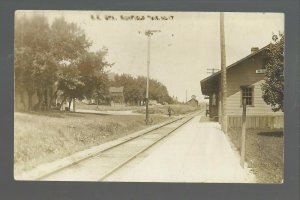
273,85
49,55
135,89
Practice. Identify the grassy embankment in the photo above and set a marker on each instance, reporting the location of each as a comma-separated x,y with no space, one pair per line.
264,153
80,105
44,137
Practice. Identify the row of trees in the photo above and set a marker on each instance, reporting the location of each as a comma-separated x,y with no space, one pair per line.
54,58
135,89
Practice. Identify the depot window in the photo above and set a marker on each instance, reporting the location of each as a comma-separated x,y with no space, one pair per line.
247,93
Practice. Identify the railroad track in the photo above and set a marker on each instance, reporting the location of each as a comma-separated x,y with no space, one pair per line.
103,164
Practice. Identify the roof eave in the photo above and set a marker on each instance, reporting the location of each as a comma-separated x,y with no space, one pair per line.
236,63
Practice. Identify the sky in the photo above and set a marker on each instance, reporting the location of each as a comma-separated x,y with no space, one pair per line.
182,51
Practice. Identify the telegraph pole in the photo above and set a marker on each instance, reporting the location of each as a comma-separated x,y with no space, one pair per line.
223,75
185,96
243,137
148,33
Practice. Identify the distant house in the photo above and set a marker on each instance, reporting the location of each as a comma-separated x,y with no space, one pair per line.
193,101
116,95
244,79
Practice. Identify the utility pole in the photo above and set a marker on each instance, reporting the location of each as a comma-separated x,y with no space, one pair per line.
243,138
223,75
185,96
148,33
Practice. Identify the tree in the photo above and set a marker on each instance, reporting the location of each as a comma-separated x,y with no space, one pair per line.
24,75
35,68
101,87
49,55
44,76
68,46
70,82
158,92
92,67
273,85
68,41
135,89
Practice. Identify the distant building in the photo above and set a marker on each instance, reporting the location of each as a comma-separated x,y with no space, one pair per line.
116,95
193,101
244,79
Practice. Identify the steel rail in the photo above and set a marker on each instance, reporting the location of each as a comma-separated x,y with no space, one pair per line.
141,151
114,146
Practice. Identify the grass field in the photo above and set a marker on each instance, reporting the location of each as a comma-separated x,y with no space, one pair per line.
44,137
84,106
178,109
264,153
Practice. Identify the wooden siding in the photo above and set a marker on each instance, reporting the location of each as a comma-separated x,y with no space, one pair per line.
245,75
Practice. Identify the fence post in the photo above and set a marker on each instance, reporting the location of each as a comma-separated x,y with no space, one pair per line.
243,138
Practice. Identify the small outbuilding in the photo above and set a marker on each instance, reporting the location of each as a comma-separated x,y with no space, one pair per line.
116,95
193,101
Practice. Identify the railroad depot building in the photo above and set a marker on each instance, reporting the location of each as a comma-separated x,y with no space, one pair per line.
244,79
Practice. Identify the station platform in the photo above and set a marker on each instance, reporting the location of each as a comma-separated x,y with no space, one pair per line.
197,152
